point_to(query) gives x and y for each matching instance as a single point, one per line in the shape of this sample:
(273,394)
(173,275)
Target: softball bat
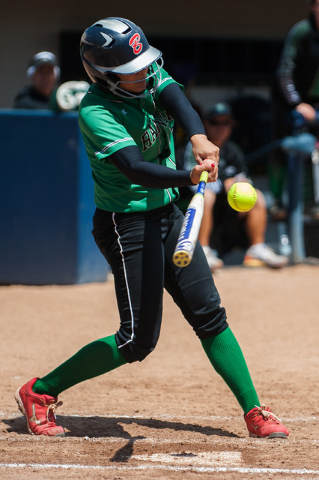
(187,239)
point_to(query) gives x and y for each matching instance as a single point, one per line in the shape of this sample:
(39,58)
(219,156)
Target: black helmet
(113,46)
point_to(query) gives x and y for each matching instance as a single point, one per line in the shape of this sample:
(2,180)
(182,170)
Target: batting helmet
(114,46)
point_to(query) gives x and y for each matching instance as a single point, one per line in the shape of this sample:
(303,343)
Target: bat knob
(181,258)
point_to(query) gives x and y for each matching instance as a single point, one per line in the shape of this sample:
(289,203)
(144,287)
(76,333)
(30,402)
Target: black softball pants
(139,248)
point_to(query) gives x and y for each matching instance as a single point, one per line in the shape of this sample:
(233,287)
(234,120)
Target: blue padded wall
(46,201)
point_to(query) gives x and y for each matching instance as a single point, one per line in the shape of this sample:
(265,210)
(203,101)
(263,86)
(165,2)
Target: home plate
(201,458)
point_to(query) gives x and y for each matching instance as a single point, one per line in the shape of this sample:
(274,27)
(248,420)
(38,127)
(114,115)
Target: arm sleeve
(150,175)
(287,65)
(175,102)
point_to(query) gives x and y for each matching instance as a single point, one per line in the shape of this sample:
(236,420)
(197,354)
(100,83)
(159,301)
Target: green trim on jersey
(109,123)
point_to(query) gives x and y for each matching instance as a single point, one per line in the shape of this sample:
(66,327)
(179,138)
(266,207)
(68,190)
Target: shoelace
(51,411)
(265,413)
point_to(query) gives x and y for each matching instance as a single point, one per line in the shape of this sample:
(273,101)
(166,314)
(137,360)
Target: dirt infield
(170,417)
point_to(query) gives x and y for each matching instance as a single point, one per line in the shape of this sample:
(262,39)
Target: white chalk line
(168,417)
(246,470)
(208,459)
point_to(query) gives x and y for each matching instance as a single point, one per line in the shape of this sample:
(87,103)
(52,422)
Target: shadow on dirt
(101,427)
(114,427)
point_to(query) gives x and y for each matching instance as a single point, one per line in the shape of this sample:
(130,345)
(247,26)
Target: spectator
(43,72)
(218,122)
(295,94)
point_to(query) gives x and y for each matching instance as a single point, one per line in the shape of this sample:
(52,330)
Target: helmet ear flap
(112,77)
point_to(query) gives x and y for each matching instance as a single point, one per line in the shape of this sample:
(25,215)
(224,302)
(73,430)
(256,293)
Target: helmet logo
(135,43)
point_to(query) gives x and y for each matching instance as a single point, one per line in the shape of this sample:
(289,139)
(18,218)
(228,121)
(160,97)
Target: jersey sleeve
(103,133)
(166,79)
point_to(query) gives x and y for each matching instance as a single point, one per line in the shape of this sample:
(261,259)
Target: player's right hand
(207,165)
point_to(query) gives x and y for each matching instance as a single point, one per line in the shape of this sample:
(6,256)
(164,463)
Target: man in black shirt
(218,122)
(43,72)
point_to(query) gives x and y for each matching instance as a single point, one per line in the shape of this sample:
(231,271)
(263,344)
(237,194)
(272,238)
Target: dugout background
(27,28)
(224,49)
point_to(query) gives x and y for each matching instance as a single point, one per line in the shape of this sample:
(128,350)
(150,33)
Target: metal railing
(300,146)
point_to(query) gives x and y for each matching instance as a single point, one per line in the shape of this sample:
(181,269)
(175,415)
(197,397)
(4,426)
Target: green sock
(227,358)
(92,360)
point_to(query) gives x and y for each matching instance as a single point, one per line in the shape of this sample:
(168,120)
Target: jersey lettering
(135,43)
(160,118)
(149,137)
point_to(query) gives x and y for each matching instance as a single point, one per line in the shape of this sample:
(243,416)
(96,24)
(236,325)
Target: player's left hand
(204,149)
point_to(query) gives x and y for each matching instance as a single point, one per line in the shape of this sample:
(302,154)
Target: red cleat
(261,422)
(39,411)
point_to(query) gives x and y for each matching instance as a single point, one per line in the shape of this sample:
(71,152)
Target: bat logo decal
(186,245)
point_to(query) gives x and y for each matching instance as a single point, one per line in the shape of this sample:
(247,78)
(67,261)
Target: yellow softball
(242,196)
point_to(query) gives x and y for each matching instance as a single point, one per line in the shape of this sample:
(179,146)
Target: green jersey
(108,123)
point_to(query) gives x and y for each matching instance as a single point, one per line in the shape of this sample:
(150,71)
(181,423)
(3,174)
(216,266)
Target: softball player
(126,120)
